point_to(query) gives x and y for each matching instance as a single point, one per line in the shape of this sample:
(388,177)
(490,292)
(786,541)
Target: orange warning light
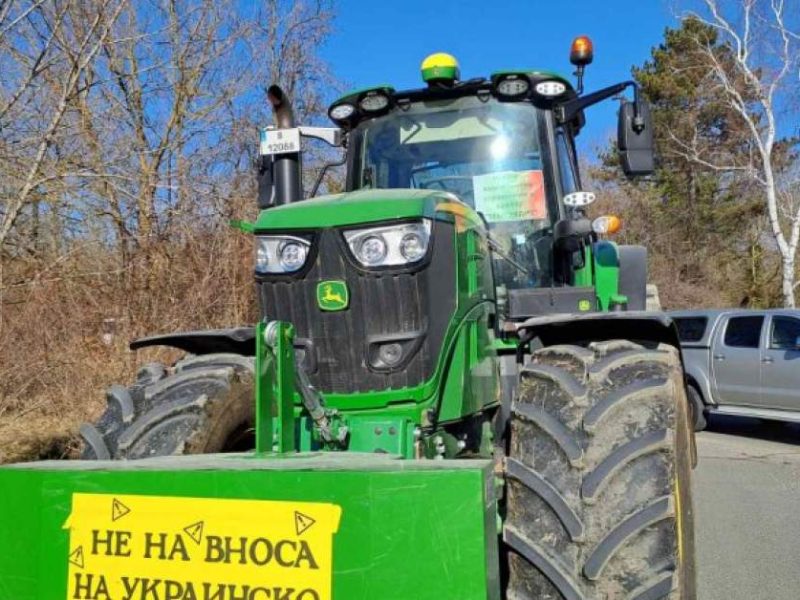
(581,52)
(607,225)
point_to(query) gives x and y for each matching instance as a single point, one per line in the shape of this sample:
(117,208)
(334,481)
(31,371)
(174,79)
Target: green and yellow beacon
(440,69)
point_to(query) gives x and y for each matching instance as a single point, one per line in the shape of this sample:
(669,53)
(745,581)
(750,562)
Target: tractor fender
(647,328)
(236,340)
(633,275)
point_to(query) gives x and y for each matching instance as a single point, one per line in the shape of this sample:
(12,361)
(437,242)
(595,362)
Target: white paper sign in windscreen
(510,196)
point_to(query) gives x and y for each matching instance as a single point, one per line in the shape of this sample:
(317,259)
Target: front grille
(382,303)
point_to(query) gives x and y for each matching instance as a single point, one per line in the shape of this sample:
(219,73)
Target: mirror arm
(567,111)
(322,172)
(333,136)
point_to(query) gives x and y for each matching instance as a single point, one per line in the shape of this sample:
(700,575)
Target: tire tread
(173,410)
(597,437)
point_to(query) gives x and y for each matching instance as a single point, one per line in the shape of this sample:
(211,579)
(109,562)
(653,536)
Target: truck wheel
(203,404)
(697,408)
(599,501)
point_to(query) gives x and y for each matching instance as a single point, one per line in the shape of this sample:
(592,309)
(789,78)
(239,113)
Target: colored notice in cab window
(125,547)
(510,196)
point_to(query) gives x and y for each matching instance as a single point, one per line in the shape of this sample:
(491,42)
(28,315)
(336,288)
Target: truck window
(743,332)
(785,333)
(691,329)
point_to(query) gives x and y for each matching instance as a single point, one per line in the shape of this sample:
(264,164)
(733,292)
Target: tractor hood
(366,206)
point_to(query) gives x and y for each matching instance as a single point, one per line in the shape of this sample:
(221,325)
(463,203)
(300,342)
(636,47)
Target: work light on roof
(550,89)
(341,112)
(374,101)
(512,85)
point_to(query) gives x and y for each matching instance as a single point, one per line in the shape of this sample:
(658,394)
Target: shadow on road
(774,431)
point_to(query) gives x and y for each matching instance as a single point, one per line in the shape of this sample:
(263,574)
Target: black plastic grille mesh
(381,303)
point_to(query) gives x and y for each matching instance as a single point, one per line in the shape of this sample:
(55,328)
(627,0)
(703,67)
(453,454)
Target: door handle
(719,357)
(767,360)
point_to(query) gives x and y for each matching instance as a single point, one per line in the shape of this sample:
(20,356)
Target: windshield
(485,152)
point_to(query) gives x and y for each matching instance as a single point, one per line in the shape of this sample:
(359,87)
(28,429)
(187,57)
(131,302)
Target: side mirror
(635,139)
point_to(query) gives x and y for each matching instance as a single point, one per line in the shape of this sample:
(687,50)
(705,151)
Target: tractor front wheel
(598,501)
(203,404)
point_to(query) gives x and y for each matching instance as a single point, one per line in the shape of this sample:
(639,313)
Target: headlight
(292,255)
(413,246)
(372,249)
(280,254)
(391,245)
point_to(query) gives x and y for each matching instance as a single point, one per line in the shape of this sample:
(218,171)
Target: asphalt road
(747,511)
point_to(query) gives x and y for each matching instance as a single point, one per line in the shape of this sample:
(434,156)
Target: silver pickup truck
(742,362)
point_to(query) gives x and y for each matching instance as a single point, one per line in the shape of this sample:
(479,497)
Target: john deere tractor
(453,372)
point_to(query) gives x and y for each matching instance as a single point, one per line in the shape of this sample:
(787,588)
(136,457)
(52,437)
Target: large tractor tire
(202,404)
(698,408)
(599,501)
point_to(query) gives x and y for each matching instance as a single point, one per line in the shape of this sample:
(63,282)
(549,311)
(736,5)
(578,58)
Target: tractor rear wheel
(202,404)
(598,501)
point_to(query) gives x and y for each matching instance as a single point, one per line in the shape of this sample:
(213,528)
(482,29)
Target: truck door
(736,360)
(780,364)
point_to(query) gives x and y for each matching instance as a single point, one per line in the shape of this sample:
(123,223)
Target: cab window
(743,332)
(785,333)
(566,166)
(691,329)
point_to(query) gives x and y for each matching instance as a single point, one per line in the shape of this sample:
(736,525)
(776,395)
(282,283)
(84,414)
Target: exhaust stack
(279,180)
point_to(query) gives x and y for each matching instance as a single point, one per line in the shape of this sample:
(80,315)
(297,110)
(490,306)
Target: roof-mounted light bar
(372,102)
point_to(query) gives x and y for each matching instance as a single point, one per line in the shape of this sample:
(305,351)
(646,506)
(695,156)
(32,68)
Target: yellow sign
(166,548)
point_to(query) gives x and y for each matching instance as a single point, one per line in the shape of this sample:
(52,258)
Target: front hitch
(278,378)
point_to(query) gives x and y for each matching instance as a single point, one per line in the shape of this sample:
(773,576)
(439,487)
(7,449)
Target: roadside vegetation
(126,146)
(721,216)
(127,141)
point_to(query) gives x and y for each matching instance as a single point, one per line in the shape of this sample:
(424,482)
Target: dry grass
(54,361)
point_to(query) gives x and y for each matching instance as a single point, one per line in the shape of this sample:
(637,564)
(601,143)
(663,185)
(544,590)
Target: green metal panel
(584,277)
(363,206)
(408,529)
(466,378)
(606,269)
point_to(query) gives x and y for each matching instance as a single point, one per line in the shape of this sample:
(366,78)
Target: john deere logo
(332,295)
(584,306)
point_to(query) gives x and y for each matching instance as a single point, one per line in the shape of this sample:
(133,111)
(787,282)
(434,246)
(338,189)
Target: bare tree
(45,54)
(757,82)
(77,49)
(127,134)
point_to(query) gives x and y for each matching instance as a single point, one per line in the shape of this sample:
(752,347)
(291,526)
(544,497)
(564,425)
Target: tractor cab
(487,153)
(504,146)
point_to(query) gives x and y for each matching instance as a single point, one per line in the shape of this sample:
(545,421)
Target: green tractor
(450,354)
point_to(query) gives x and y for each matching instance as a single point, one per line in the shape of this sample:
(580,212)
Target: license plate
(280,141)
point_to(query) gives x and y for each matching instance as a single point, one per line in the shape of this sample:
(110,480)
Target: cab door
(780,365)
(736,360)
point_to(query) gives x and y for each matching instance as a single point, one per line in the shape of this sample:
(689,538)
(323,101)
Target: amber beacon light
(581,52)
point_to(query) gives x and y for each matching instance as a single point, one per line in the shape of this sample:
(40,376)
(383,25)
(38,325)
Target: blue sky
(384,41)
